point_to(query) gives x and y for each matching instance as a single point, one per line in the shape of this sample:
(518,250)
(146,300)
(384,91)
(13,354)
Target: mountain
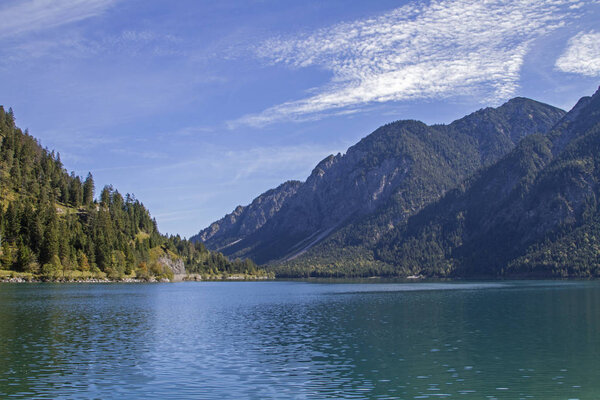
(246,220)
(51,226)
(533,213)
(349,201)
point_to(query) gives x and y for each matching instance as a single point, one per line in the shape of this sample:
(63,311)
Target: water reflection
(299,340)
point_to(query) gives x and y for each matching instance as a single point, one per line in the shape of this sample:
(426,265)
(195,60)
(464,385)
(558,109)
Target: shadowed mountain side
(534,213)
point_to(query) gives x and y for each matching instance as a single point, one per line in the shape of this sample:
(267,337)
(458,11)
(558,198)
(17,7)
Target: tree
(13,222)
(75,191)
(50,245)
(51,269)
(82,261)
(6,260)
(24,257)
(88,189)
(106,195)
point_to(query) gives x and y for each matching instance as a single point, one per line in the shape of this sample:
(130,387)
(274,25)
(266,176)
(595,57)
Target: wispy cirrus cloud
(582,55)
(20,17)
(439,49)
(76,45)
(231,166)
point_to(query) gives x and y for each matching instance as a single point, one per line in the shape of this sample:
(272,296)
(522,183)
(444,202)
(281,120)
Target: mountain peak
(324,165)
(519,100)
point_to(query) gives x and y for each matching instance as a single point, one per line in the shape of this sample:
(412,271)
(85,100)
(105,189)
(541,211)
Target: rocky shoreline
(91,280)
(177,278)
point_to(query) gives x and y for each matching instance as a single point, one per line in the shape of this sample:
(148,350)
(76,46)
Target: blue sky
(199,106)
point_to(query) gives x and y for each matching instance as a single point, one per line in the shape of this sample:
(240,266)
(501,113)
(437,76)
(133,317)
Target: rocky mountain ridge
(384,179)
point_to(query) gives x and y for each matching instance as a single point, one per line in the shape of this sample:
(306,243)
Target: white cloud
(582,55)
(440,49)
(35,15)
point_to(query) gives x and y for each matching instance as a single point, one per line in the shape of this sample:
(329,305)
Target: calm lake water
(298,340)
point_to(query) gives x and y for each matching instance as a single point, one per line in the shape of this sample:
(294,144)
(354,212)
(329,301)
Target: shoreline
(238,278)
(16,277)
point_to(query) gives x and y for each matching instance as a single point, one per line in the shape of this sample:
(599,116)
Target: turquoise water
(298,340)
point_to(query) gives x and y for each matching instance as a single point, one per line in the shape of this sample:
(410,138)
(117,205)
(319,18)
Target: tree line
(52,224)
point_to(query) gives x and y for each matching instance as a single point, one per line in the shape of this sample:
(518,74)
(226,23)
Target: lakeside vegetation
(53,228)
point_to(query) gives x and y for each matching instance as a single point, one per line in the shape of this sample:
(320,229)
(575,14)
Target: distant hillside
(52,226)
(350,201)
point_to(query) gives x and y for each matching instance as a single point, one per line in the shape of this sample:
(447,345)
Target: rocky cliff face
(388,176)
(175,265)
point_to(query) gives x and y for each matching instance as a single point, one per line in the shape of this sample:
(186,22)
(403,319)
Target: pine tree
(106,195)
(24,257)
(50,245)
(88,190)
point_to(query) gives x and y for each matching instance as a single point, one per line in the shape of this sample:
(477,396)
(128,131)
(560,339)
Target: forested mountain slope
(534,213)
(51,225)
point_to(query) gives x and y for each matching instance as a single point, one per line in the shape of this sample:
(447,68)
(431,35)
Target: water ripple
(297,340)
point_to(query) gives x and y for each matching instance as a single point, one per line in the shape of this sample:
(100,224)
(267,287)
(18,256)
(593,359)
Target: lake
(301,340)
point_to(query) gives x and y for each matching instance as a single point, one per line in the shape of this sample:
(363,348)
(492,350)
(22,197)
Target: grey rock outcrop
(174,265)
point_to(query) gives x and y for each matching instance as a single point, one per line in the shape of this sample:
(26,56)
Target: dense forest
(53,226)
